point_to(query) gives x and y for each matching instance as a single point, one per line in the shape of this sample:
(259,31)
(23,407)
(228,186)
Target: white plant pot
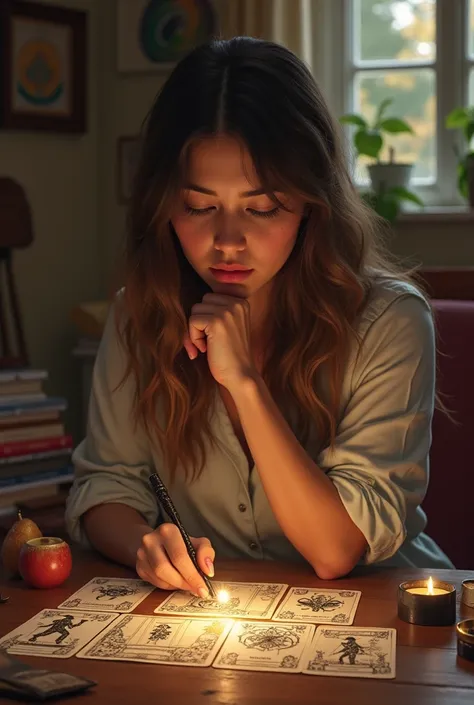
(387,175)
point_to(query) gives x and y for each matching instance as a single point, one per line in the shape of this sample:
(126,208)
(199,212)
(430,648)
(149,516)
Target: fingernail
(210,567)
(203,592)
(192,355)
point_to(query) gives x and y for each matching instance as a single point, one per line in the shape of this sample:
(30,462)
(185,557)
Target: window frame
(335,70)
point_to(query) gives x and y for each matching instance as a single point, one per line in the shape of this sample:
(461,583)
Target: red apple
(45,562)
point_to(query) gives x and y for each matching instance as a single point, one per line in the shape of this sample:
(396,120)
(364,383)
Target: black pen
(165,500)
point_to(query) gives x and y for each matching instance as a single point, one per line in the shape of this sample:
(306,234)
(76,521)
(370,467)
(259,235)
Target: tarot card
(109,595)
(264,646)
(170,640)
(56,633)
(318,606)
(358,652)
(248,600)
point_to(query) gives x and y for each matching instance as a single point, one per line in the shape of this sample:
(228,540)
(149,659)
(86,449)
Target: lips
(230,276)
(232,268)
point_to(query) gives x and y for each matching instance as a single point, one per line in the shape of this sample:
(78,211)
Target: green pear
(22,531)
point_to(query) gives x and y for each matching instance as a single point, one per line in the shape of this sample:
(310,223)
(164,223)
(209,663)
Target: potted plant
(463,119)
(389,180)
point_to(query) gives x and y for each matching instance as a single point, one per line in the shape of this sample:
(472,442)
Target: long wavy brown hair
(261,93)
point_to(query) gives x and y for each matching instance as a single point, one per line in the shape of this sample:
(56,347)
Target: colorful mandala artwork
(169,29)
(40,79)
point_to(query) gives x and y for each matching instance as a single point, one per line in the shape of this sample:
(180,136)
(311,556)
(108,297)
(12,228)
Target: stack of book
(35,450)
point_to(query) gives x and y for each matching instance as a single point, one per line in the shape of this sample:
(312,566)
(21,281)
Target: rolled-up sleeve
(379,464)
(112,463)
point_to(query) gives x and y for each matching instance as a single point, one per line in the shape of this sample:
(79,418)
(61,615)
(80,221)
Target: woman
(287,407)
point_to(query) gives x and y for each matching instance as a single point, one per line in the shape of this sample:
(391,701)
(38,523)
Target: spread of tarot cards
(249,626)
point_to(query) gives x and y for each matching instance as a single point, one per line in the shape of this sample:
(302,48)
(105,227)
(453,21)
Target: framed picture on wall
(152,35)
(43,67)
(128,152)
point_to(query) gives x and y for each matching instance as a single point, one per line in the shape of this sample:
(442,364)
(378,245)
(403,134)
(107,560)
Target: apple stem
(19,515)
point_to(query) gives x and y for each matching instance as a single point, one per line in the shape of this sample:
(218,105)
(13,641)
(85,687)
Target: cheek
(189,235)
(281,240)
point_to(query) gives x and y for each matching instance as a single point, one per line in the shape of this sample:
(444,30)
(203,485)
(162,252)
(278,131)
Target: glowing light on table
(223,596)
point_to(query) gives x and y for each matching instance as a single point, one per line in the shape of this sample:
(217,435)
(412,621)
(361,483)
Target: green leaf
(403,194)
(353,119)
(387,207)
(382,109)
(368,143)
(395,125)
(463,185)
(457,118)
(469,130)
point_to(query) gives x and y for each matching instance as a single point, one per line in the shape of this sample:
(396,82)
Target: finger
(156,562)
(153,580)
(198,329)
(175,548)
(205,555)
(190,348)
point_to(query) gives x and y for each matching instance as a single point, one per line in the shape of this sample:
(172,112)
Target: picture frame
(43,68)
(128,152)
(185,24)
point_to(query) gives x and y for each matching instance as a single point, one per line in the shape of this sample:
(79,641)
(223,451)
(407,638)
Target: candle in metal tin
(467,593)
(427,603)
(465,636)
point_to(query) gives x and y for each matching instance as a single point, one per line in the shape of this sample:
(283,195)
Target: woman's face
(222,217)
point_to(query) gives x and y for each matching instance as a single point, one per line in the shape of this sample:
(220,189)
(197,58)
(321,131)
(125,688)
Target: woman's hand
(163,560)
(221,325)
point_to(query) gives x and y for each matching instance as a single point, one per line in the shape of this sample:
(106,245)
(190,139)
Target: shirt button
(253,546)
(242,507)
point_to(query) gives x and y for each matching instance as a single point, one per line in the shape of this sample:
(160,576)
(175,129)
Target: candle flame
(223,596)
(430,586)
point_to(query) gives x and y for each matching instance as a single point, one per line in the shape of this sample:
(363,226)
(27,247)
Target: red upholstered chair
(450,497)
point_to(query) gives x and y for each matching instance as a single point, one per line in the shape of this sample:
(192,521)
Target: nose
(230,235)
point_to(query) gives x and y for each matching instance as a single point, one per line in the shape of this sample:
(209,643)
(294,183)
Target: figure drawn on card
(160,633)
(349,648)
(111,592)
(319,603)
(58,626)
(272,638)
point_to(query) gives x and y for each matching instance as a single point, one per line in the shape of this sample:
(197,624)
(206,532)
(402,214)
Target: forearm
(116,531)
(304,500)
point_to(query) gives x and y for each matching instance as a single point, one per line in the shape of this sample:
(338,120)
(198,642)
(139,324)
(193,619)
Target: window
(470,53)
(419,53)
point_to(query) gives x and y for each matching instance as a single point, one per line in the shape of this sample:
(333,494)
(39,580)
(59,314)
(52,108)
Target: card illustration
(263,646)
(109,594)
(354,652)
(318,606)
(56,633)
(249,600)
(190,642)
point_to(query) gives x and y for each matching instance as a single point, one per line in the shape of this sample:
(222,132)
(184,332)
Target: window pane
(471,28)
(471,88)
(389,29)
(414,100)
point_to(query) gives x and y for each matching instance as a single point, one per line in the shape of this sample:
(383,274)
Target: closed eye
(258,214)
(198,211)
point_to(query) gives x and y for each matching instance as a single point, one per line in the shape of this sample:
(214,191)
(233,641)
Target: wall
(436,240)
(63,266)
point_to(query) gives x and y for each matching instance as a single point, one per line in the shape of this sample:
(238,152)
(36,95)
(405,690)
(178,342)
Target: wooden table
(428,669)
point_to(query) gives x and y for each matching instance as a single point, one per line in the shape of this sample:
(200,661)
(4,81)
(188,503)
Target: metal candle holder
(465,635)
(427,610)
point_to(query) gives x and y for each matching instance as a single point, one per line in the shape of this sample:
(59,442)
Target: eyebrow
(245,194)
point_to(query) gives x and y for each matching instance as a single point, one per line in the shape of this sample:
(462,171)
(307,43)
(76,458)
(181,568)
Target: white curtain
(287,22)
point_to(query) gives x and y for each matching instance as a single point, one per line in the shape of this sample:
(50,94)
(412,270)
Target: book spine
(39,455)
(12,482)
(38,445)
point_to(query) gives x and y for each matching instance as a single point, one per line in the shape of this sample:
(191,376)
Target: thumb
(205,555)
